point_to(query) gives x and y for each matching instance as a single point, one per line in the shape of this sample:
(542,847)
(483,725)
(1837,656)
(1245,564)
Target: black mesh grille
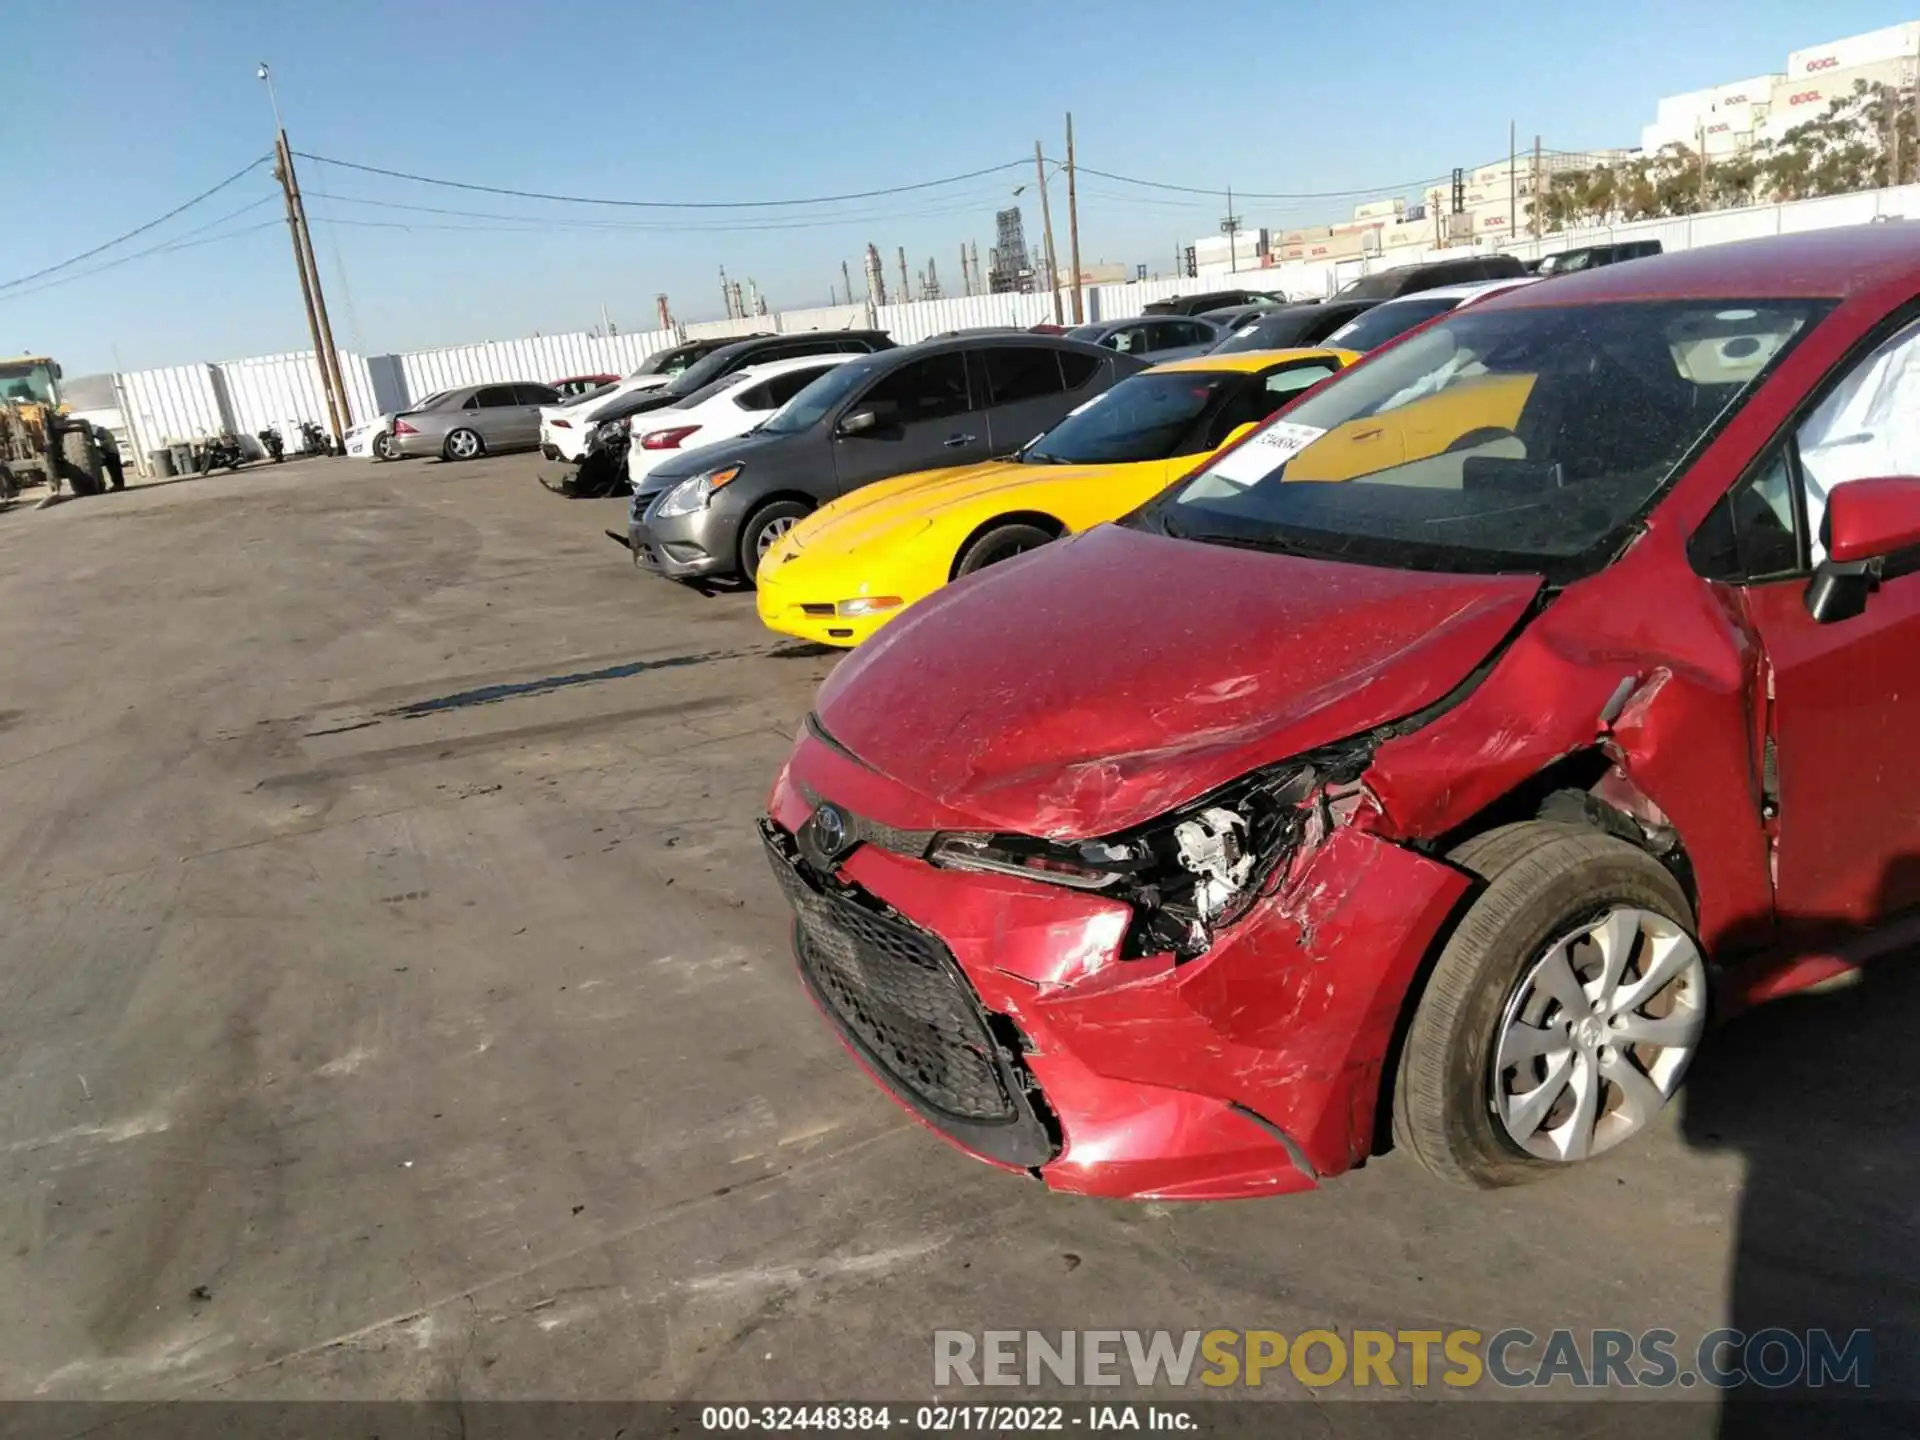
(898,992)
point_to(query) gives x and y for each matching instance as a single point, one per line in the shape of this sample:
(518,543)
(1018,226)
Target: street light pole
(1073,228)
(1046,223)
(319,324)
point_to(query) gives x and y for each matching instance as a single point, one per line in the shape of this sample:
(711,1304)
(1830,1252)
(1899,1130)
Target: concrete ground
(394,1003)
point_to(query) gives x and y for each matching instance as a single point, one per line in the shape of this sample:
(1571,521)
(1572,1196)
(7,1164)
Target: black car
(1210,300)
(733,355)
(936,404)
(1588,257)
(1292,325)
(1231,317)
(676,358)
(1412,279)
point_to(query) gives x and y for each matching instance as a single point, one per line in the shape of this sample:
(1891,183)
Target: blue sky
(746,100)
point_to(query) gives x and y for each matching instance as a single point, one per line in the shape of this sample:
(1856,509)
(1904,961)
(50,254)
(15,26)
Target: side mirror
(859,422)
(1867,521)
(1238,433)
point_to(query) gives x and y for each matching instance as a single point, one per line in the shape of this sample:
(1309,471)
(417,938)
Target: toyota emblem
(830,830)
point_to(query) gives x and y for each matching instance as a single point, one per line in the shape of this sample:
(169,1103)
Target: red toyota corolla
(1430,764)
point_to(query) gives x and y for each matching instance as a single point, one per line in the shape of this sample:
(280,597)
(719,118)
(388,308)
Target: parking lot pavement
(393,1002)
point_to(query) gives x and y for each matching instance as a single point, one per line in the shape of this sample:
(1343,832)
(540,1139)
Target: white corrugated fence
(184,402)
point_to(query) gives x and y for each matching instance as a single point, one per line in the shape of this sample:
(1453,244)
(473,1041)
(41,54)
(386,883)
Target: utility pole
(966,276)
(1230,227)
(1537,178)
(906,285)
(318,324)
(1073,228)
(726,295)
(1700,199)
(846,281)
(1046,225)
(1513,179)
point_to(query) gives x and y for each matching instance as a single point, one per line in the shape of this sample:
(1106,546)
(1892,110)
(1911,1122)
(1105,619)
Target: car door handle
(954,442)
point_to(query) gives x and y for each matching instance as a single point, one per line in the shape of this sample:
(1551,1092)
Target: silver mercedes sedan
(474,420)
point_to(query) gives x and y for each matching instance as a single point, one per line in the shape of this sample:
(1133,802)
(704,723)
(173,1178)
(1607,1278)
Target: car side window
(1754,532)
(495,397)
(1260,397)
(1868,425)
(545,394)
(1026,372)
(1133,340)
(1077,369)
(924,389)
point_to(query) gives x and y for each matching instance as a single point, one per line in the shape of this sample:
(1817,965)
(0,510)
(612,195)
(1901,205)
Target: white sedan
(371,438)
(729,407)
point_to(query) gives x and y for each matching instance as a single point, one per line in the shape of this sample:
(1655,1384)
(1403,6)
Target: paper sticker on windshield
(1265,452)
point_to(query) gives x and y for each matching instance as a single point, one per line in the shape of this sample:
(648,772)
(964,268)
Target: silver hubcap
(1598,1034)
(770,532)
(382,445)
(464,444)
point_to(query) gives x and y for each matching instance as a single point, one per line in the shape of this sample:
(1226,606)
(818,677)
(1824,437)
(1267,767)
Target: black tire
(448,446)
(382,446)
(763,527)
(1541,880)
(1003,542)
(80,463)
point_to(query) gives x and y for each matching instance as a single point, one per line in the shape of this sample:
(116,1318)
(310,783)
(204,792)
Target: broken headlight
(1186,875)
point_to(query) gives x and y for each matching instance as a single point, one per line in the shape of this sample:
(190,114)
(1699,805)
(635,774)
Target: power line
(1266,194)
(165,247)
(662,204)
(945,205)
(141,229)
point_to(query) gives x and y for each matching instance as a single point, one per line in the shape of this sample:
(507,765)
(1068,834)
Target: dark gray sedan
(1152,337)
(475,420)
(921,407)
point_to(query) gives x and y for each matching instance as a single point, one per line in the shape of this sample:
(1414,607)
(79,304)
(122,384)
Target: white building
(1728,119)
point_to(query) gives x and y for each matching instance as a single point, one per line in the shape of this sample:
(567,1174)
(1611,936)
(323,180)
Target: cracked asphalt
(394,1004)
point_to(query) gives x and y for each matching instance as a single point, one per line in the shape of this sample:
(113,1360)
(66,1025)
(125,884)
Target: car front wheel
(1562,1014)
(463,445)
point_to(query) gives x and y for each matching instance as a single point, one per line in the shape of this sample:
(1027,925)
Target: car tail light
(561,424)
(666,439)
(400,427)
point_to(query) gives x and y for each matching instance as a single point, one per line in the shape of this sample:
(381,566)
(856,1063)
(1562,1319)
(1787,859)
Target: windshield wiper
(1272,544)
(1040,457)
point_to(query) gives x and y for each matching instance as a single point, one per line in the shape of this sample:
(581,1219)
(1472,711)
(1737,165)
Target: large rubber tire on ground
(1543,881)
(80,463)
(1003,542)
(463,444)
(382,446)
(765,526)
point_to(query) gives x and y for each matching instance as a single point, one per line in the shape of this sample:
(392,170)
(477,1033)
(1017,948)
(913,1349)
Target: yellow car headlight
(867,605)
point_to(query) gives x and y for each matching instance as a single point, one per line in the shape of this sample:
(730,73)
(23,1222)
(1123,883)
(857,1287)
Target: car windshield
(1142,418)
(1373,328)
(818,400)
(1269,332)
(1092,334)
(1501,439)
(703,371)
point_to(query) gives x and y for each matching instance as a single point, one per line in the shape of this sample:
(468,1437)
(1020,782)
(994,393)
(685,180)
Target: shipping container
(1293,252)
(1795,101)
(1746,92)
(1379,209)
(1683,110)
(1335,247)
(1896,42)
(1407,232)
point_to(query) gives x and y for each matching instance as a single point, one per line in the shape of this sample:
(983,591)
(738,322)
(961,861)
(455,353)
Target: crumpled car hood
(1098,683)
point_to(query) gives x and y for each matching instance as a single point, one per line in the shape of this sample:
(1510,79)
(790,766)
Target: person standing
(110,457)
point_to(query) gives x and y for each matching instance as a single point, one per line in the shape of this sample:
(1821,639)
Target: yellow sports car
(851,566)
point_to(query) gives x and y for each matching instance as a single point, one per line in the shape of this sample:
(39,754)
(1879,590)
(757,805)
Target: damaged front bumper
(1000,1010)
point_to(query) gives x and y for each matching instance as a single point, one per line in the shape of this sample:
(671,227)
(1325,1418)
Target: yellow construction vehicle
(40,443)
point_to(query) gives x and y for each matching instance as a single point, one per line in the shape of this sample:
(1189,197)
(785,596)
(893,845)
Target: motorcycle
(603,464)
(314,440)
(271,442)
(221,451)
